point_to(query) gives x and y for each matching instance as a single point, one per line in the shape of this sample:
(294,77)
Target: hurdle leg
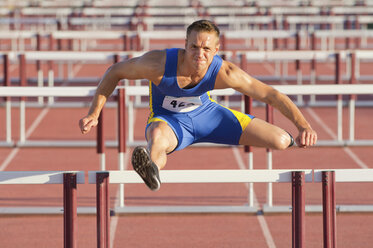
(100,145)
(298,210)
(329,209)
(70,209)
(103,211)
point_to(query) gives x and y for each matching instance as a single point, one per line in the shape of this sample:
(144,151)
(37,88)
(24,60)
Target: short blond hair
(203,26)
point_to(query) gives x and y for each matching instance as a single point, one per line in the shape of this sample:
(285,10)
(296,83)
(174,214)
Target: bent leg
(263,134)
(161,141)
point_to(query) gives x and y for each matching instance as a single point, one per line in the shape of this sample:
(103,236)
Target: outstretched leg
(148,161)
(263,134)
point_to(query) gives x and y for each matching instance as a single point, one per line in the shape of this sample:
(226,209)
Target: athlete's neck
(187,69)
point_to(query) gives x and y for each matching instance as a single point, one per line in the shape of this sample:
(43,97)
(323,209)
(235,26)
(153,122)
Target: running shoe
(146,168)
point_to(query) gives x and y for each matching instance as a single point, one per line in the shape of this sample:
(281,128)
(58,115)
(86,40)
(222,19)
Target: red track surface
(203,230)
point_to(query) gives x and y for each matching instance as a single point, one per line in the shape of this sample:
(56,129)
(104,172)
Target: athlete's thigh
(263,134)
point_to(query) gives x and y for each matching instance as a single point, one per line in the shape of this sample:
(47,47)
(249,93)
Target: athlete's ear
(217,48)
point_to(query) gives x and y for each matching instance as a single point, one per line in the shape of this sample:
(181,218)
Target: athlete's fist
(86,123)
(307,137)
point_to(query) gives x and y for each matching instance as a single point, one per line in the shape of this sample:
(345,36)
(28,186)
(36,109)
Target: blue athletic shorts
(210,122)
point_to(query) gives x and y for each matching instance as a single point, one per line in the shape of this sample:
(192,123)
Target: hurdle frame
(69,179)
(328,180)
(297,178)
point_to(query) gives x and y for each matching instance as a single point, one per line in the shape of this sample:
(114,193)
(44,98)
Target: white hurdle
(198,176)
(69,179)
(102,179)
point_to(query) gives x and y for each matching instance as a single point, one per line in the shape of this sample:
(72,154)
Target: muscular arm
(230,76)
(148,66)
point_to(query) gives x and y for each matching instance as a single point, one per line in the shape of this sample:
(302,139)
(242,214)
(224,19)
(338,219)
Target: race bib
(181,104)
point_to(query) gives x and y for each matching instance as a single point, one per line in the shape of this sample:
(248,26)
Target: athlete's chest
(188,82)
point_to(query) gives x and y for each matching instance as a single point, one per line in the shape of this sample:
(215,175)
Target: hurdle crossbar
(205,176)
(69,179)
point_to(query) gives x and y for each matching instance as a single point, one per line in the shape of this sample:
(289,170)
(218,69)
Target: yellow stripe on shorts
(243,119)
(154,119)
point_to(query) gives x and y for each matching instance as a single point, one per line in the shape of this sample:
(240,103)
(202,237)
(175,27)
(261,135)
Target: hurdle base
(278,209)
(7,144)
(184,209)
(43,210)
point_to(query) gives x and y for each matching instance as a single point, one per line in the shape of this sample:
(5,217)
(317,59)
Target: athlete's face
(201,47)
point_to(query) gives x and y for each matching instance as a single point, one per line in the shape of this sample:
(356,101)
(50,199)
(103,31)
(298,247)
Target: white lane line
(9,158)
(31,129)
(114,220)
(322,123)
(348,151)
(76,69)
(262,222)
(355,158)
(36,122)
(269,68)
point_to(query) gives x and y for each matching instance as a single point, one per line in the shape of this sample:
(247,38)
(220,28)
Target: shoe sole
(146,169)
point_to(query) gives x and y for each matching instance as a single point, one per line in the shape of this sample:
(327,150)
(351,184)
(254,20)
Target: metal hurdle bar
(69,179)
(297,178)
(329,178)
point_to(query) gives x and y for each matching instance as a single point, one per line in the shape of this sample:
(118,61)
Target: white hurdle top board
(206,176)
(37,177)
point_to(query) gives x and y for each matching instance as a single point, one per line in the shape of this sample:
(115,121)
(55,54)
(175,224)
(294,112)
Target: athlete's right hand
(86,123)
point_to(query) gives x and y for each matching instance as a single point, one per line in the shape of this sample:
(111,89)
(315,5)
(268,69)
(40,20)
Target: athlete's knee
(156,133)
(283,141)
(160,135)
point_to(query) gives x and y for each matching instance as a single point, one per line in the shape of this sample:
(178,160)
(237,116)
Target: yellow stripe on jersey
(150,102)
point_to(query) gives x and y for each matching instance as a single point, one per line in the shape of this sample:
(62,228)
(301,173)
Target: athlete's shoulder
(230,76)
(157,57)
(228,69)
(153,63)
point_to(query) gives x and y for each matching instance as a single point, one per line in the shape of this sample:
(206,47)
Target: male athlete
(181,109)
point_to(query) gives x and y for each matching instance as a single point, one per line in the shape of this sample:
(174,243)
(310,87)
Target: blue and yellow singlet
(191,113)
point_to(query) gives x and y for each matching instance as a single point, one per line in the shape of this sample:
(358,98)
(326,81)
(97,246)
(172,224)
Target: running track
(178,230)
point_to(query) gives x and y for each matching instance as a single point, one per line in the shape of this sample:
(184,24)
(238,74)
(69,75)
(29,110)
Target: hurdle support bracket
(70,214)
(298,209)
(127,210)
(329,209)
(103,212)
